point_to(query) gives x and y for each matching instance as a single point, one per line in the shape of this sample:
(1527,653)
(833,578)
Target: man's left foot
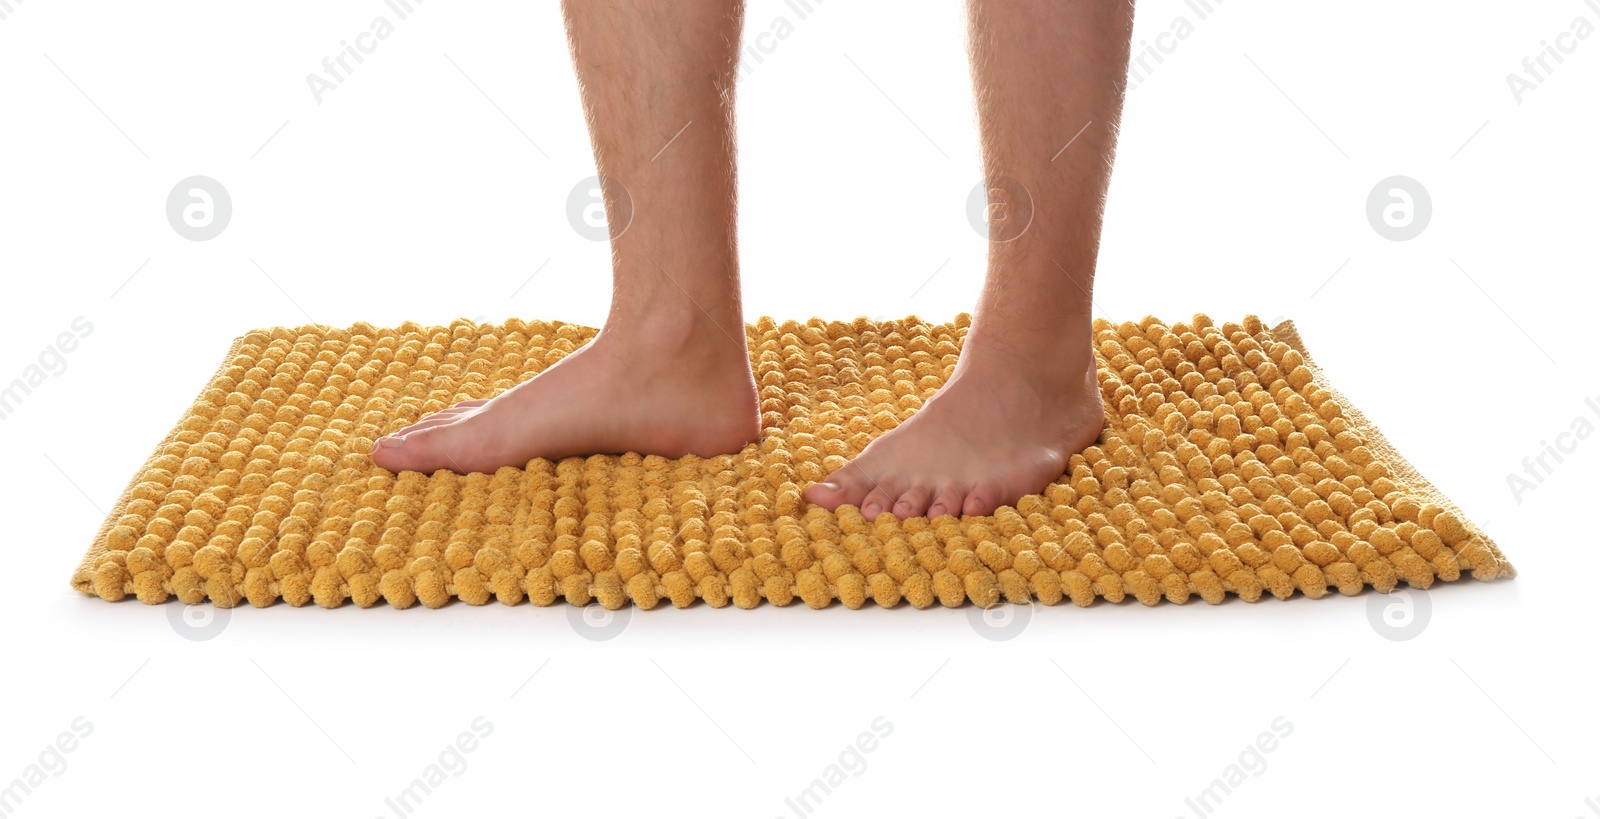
(1003,427)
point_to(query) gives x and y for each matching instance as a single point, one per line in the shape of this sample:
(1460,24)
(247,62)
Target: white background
(408,193)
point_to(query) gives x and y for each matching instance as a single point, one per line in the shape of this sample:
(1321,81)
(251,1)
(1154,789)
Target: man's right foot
(655,387)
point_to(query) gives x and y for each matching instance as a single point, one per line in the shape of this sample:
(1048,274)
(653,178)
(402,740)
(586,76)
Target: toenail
(392,441)
(935,511)
(872,509)
(830,485)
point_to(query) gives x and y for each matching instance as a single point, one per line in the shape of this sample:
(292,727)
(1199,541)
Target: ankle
(1063,352)
(677,331)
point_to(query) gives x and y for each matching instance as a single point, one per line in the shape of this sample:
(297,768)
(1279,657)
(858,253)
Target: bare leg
(669,373)
(1024,397)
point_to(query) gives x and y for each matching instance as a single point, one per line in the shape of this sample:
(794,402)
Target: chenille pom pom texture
(1227,466)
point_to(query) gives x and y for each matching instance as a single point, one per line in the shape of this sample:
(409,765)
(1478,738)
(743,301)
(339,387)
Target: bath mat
(1228,466)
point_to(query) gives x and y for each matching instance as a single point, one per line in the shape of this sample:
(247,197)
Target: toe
(982,500)
(913,503)
(444,416)
(847,486)
(876,503)
(437,419)
(948,502)
(420,451)
(386,451)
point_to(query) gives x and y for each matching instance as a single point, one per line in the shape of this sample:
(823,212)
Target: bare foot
(1001,428)
(681,389)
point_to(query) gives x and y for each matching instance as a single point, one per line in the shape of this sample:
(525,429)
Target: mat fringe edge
(83,577)
(1286,332)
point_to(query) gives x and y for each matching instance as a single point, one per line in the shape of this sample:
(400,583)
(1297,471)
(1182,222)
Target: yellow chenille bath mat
(1228,464)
